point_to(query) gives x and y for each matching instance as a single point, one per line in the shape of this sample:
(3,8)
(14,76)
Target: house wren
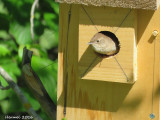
(105,43)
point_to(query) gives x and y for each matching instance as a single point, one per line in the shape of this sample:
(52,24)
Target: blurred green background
(14,35)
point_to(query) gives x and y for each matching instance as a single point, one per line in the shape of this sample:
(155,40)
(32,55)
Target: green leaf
(2,8)
(49,16)
(43,115)
(54,5)
(20,53)
(4,35)
(4,106)
(21,33)
(11,46)
(48,39)
(3,81)
(47,71)
(11,68)
(49,20)
(4,50)
(4,93)
(34,103)
(13,104)
(64,118)
(6,40)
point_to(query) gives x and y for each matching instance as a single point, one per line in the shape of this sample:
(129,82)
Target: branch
(4,88)
(35,85)
(13,38)
(19,93)
(32,17)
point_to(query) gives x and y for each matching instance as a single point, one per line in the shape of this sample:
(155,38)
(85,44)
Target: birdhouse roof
(139,4)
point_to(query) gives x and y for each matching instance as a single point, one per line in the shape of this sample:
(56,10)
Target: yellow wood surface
(101,100)
(108,19)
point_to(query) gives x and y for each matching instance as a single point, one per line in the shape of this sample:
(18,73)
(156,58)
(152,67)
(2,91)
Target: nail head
(155,33)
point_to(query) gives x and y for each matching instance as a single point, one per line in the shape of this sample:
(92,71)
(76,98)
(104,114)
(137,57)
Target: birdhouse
(123,85)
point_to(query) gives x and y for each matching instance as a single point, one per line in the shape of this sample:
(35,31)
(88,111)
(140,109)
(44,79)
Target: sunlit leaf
(20,52)
(48,39)
(11,68)
(2,8)
(4,35)
(4,50)
(49,18)
(21,33)
(4,93)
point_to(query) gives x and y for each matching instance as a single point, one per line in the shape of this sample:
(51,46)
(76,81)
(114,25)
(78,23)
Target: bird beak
(89,43)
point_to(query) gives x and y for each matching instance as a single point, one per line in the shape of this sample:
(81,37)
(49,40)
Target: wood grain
(101,100)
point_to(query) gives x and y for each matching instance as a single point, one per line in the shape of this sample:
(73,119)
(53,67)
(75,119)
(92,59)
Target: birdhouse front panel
(81,95)
(121,67)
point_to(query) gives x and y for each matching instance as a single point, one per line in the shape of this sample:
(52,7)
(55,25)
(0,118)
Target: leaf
(20,53)
(4,93)
(54,5)
(4,106)
(34,103)
(21,33)
(4,50)
(2,8)
(48,39)
(7,64)
(10,67)
(47,71)
(13,104)
(3,81)
(4,35)
(18,10)
(49,18)
(43,115)
(11,46)
(6,40)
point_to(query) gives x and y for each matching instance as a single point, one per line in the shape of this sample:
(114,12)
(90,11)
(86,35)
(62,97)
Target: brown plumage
(105,43)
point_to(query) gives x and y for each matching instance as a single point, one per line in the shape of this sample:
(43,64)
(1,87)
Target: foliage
(14,35)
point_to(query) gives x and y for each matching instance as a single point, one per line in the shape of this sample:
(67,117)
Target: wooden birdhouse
(121,86)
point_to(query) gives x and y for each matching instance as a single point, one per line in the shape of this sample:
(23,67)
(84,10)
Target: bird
(105,43)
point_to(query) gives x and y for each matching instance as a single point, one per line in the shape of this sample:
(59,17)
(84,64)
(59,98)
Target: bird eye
(97,40)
